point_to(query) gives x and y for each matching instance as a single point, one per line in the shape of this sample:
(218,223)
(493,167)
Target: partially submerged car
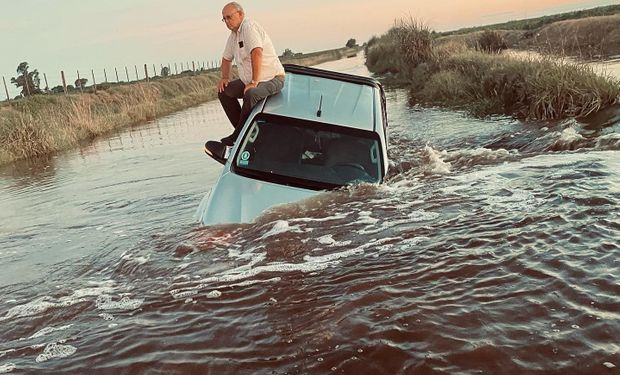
(324,130)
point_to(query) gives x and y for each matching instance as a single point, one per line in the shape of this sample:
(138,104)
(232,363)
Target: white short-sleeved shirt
(240,45)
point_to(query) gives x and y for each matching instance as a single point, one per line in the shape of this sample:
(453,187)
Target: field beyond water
(43,124)
(469,72)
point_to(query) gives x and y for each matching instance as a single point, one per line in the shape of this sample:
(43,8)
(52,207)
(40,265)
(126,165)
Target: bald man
(260,72)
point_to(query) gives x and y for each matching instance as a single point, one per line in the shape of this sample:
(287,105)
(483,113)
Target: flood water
(493,247)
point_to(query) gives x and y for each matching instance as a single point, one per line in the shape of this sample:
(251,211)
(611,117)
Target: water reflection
(37,170)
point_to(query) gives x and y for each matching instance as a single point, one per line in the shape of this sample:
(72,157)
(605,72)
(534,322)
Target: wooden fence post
(116,71)
(176,71)
(127,73)
(47,86)
(146,73)
(193,66)
(105,76)
(154,71)
(78,73)
(64,83)
(136,68)
(8,99)
(94,83)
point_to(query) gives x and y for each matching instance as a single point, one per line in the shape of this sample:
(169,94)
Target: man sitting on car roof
(260,72)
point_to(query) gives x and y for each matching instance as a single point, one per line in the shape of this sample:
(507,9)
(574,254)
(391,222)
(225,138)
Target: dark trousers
(238,114)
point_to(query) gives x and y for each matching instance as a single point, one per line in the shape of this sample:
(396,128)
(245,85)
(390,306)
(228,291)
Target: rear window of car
(308,154)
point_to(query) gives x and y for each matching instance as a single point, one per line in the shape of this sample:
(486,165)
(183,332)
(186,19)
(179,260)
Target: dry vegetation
(43,124)
(465,71)
(586,38)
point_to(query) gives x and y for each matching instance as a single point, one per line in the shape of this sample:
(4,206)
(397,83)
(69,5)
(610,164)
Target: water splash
(54,350)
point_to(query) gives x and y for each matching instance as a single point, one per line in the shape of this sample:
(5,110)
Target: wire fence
(124,75)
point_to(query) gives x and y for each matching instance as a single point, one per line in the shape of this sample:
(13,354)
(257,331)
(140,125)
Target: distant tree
(28,81)
(288,53)
(351,43)
(165,71)
(80,83)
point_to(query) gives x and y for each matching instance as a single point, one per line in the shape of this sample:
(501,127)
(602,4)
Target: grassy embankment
(588,34)
(450,72)
(43,124)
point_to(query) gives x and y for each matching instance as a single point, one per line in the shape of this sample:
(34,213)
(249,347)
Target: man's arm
(257,62)
(226,65)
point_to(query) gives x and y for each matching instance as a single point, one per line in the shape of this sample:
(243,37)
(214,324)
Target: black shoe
(229,141)
(216,150)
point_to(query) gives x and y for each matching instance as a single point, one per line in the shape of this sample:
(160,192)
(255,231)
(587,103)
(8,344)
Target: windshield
(308,154)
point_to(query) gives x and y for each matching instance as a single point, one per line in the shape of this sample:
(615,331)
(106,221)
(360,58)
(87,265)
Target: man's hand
(222,85)
(250,85)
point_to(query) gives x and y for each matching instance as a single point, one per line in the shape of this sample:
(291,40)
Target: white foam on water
(106,316)
(251,254)
(329,240)
(54,350)
(30,309)
(214,294)
(432,161)
(326,240)
(365,217)
(608,142)
(48,330)
(517,200)
(105,302)
(5,352)
(92,292)
(568,139)
(253,282)
(7,367)
(337,216)
(481,155)
(280,226)
(178,294)
(421,215)
(136,259)
(609,365)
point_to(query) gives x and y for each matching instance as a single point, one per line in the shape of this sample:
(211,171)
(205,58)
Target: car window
(308,153)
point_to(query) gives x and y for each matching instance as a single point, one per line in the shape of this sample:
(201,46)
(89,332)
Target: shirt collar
(241,25)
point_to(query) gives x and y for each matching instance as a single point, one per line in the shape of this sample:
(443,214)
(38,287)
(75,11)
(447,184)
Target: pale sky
(71,35)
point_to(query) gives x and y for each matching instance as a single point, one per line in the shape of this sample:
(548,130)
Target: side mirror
(216,150)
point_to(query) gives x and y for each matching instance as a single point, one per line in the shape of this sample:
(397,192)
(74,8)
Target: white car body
(323,131)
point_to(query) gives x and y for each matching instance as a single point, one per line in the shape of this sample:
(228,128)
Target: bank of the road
(469,71)
(43,124)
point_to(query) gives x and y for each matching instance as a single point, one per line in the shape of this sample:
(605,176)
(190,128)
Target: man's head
(232,15)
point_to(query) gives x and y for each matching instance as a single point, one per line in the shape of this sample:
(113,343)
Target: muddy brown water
(493,247)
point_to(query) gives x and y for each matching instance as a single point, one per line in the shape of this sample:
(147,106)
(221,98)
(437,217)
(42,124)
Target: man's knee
(253,96)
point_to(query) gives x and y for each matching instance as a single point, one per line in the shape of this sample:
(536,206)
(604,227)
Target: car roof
(327,97)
